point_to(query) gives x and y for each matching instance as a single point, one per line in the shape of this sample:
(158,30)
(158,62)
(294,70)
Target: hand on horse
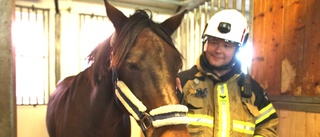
(179,90)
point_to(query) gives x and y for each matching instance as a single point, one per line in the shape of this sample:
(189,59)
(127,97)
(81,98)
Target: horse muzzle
(174,114)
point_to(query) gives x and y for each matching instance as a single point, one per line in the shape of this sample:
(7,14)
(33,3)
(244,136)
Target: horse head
(144,73)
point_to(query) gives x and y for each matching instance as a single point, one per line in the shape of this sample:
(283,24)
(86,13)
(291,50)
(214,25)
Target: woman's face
(219,52)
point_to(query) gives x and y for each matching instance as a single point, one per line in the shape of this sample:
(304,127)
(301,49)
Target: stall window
(94,29)
(30,39)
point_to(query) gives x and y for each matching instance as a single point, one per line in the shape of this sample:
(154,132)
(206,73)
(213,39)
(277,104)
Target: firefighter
(222,100)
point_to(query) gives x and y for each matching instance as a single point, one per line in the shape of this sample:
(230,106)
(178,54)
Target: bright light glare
(245,56)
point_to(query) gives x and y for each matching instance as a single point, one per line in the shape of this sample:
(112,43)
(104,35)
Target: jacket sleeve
(267,122)
(267,129)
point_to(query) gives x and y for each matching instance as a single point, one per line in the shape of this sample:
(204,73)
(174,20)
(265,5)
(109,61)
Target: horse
(132,74)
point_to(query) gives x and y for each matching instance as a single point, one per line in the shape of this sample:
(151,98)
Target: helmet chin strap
(224,67)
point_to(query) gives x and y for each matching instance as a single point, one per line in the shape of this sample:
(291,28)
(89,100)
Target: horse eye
(133,66)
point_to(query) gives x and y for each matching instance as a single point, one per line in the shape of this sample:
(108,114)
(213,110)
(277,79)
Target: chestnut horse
(133,73)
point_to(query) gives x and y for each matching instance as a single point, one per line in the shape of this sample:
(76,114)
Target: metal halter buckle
(145,121)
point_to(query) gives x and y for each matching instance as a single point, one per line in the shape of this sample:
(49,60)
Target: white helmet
(229,25)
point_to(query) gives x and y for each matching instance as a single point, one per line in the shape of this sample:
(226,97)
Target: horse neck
(104,105)
(103,95)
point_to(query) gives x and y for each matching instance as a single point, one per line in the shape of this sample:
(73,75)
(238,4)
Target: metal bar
(174,2)
(85,14)
(28,14)
(81,22)
(28,7)
(197,32)
(56,4)
(20,8)
(206,12)
(195,4)
(187,43)
(219,5)
(226,2)
(212,8)
(234,6)
(243,7)
(36,14)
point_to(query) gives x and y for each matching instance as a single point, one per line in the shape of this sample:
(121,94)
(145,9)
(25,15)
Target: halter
(158,117)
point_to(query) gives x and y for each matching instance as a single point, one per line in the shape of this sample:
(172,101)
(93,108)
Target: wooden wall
(286,62)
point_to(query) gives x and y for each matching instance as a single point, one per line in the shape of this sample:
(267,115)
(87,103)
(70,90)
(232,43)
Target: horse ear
(116,16)
(172,23)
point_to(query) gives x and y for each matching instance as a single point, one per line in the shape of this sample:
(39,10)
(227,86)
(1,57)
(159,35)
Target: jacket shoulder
(262,98)
(186,75)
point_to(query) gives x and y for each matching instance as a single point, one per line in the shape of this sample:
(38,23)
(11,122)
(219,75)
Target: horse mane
(125,38)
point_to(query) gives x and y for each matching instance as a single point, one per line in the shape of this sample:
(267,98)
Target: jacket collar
(205,71)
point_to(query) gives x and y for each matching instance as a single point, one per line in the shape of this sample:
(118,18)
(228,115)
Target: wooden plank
(267,33)
(300,120)
(57,36)
(312,125)
(272,46)
(284,123)
(258,34)
(291,70)
(311,61)
(290,123)
(298,124)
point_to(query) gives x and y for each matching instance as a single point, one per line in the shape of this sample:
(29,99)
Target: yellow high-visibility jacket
(217,109)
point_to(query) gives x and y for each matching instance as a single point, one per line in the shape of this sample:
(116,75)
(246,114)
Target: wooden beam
(296,99)
(8,114)
(57,34)
(297,103)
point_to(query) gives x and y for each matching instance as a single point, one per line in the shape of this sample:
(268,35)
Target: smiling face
(219,52)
